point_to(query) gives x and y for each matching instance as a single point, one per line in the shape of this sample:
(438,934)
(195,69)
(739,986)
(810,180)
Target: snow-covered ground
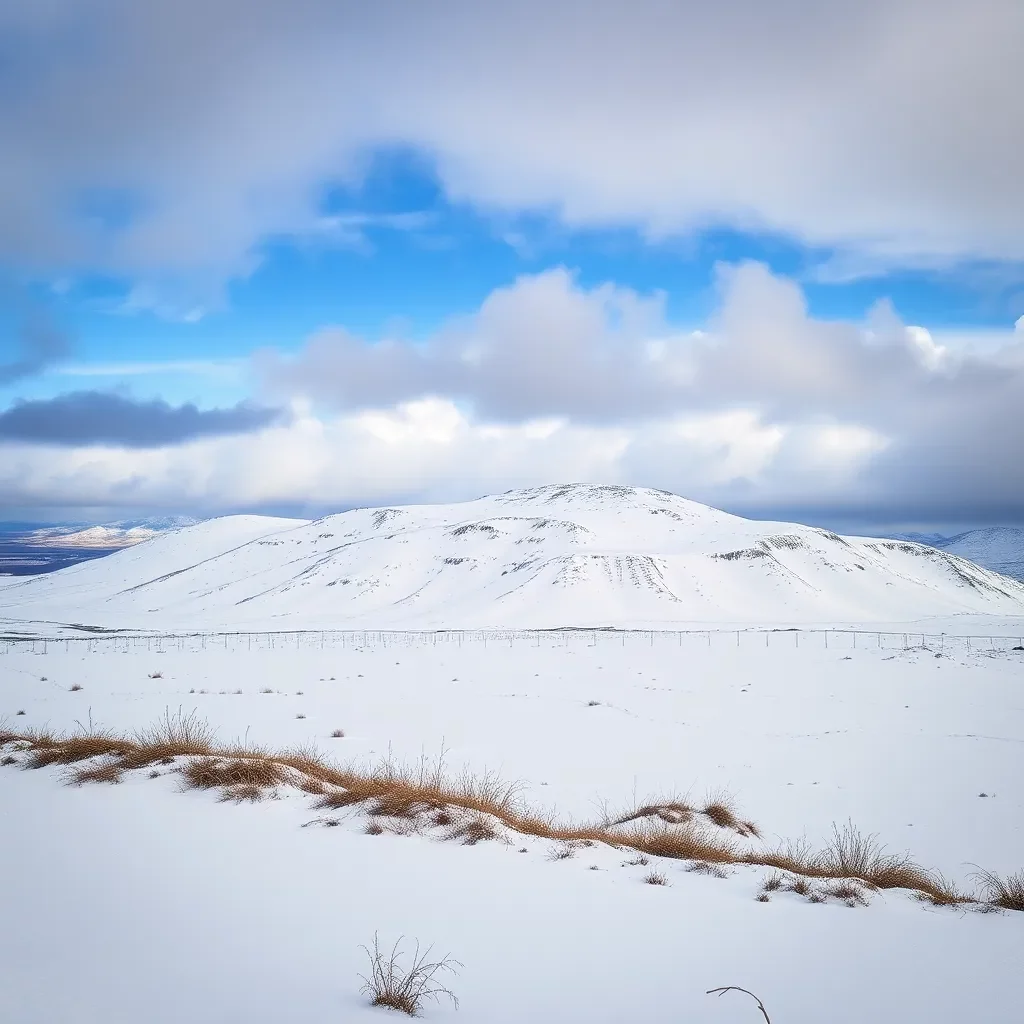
(139,901)
(573,555)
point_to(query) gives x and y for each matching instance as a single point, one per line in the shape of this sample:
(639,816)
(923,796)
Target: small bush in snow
(403,982)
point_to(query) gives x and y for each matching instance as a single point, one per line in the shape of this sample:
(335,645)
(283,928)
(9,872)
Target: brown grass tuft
(1006,893)
(684,843)
(228,773)
(655,878)
(111,772)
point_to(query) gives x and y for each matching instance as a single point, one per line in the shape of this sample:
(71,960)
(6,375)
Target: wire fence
(341,639)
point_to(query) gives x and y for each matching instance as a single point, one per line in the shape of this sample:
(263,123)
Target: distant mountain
(999,548)
(568,555)
(933,540)
(121,534)
(27,549)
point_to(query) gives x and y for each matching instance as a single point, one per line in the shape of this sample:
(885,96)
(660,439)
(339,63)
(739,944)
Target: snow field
(139,901)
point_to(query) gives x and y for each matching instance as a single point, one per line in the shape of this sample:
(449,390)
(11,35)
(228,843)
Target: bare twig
(735,988)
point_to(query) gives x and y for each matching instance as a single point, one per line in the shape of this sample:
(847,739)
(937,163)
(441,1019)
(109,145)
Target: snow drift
(567,555)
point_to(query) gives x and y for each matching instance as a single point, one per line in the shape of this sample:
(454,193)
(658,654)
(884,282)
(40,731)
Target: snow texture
(143,902)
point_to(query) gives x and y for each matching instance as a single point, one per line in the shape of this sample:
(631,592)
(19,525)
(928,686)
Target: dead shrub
(655,878)
(564,851)
(402,986)
(7,759)
(773,882)
(156,675)
(373,828)
(338,734)
(75,687)
(639,861)
(763,897)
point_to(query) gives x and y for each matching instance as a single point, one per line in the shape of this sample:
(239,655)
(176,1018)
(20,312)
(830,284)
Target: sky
(296,257)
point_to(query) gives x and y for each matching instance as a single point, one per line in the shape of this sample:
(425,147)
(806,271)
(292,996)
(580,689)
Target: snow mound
(546,557)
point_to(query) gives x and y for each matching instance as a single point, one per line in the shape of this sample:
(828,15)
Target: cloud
(82,418)
(765,411)
(887,132)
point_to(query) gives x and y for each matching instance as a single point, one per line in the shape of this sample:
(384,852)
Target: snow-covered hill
(575,554)
(1000,548)
(123,534)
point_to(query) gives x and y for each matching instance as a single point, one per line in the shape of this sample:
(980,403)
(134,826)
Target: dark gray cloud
(96,417)
(891,130)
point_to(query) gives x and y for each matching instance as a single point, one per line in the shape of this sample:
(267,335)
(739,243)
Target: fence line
(313,639)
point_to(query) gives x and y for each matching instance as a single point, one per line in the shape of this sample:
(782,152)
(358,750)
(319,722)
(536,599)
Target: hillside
(1000,548)
(545,557)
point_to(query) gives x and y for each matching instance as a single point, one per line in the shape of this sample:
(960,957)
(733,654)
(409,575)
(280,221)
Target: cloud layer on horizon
(767,410)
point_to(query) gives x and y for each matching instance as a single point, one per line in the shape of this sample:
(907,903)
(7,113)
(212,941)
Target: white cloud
(766,408)
(890,130)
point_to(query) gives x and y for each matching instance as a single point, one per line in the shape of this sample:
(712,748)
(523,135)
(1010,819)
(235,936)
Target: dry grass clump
(338,734)
(1006,893)
(854,854)
(473,830)
(655,878)
(248,792)
(702,867)
(564,851)
(674,811)
(229,773)
(686,842)
(402,986)
(472,808)
(110,771)
(75,687)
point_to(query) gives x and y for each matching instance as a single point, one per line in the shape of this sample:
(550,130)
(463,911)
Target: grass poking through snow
(471,808)
(404,982)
